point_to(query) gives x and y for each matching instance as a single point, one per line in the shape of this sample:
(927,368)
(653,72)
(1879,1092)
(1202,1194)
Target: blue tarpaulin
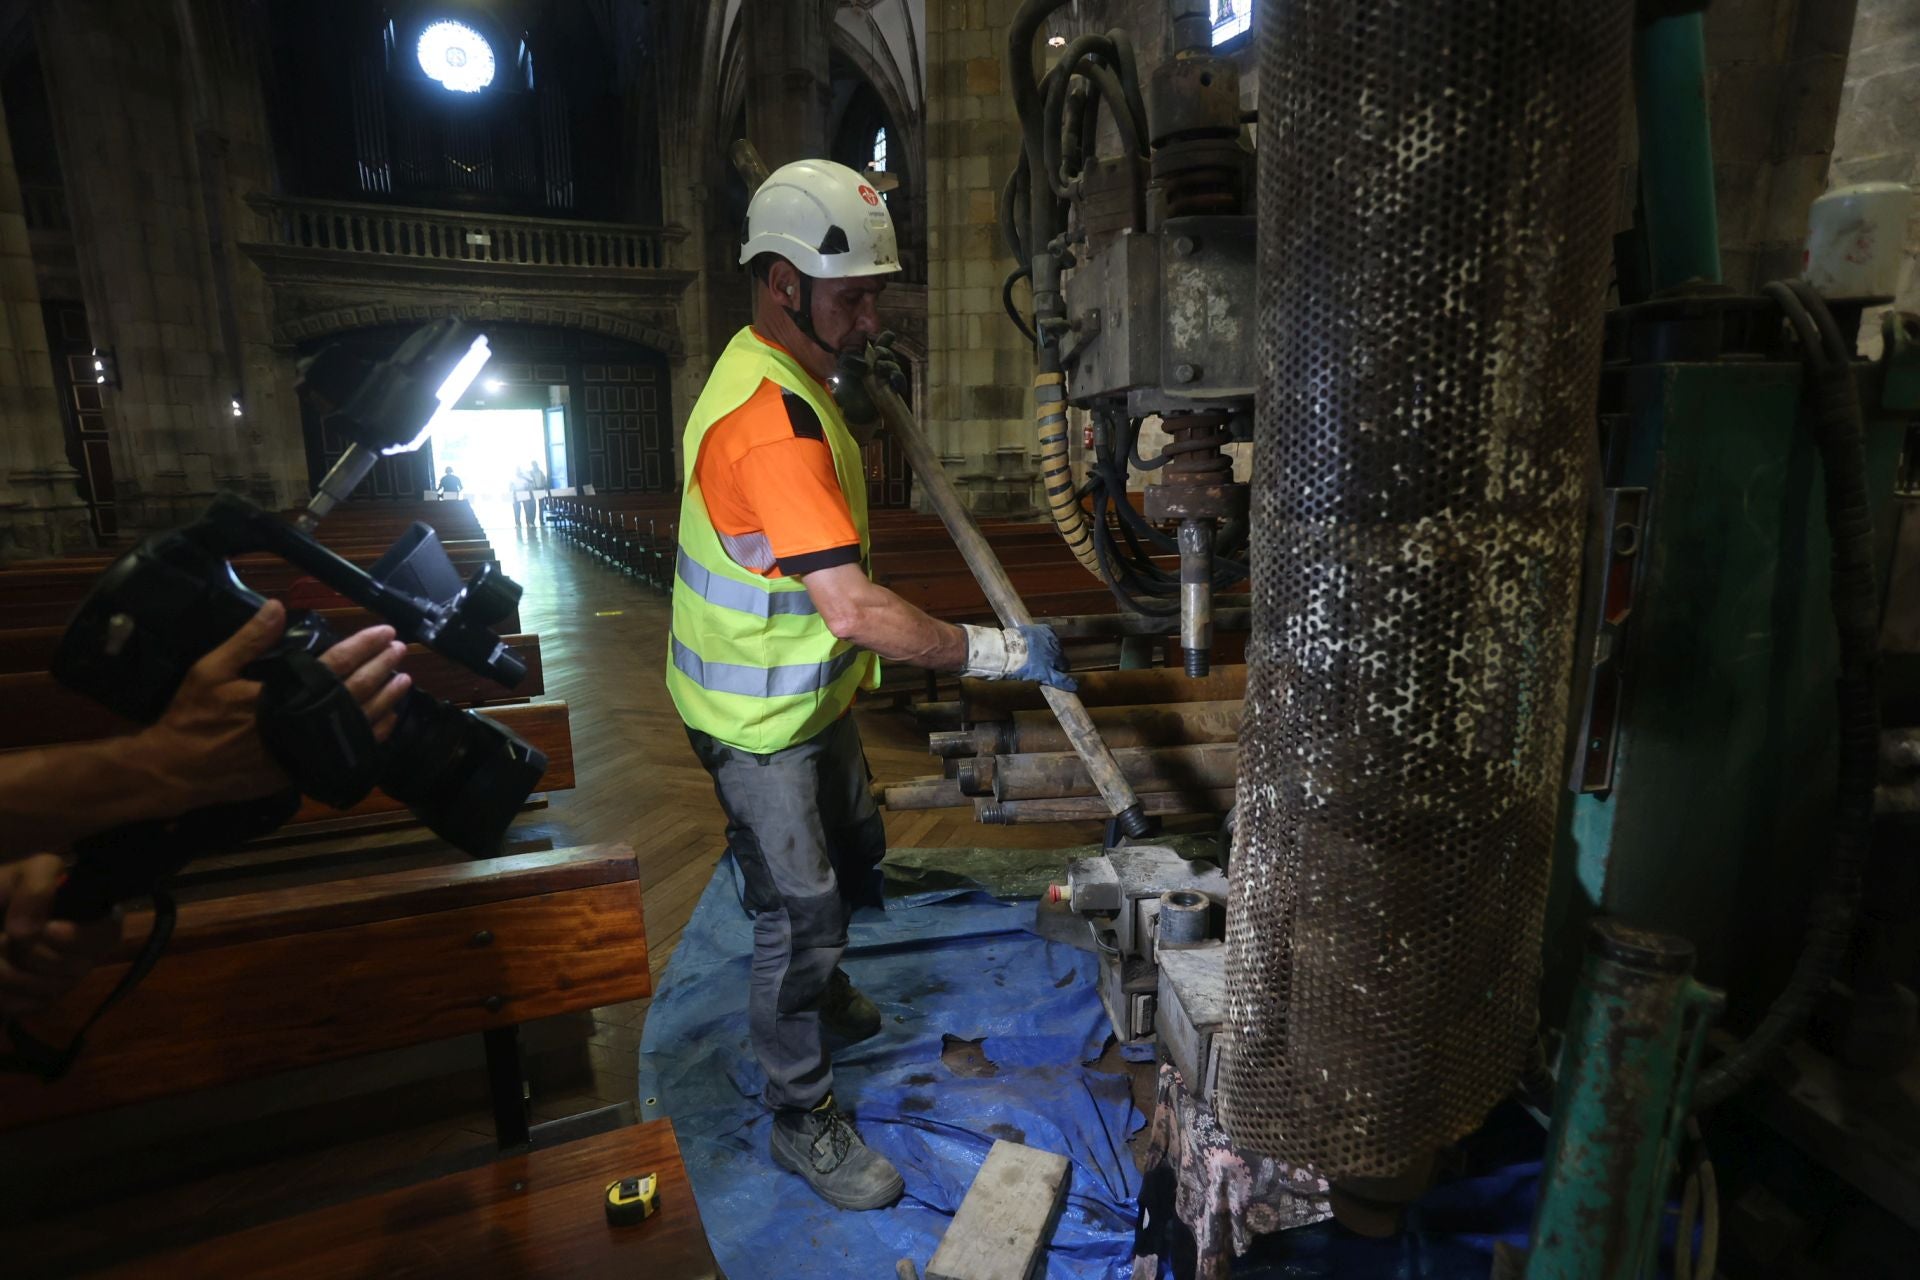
(943,967)
(957,966)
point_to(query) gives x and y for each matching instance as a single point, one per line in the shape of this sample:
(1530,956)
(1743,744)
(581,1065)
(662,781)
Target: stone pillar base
(41,514)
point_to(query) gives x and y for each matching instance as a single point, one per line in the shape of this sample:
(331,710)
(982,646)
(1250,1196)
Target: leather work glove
(1031,653)
(850,387)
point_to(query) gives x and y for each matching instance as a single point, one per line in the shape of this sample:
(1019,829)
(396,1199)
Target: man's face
(846,313)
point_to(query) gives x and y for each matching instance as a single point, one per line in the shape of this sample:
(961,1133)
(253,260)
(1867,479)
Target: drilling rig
(1567,568)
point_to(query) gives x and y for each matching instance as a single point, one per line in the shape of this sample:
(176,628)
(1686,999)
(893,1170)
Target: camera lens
(461,774)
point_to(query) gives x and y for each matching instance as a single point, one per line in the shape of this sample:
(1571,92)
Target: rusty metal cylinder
(922,793)
(1052,774)
(1434,210)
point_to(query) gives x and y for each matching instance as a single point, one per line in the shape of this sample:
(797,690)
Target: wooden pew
(531,1216)
(255,983)
(259,983)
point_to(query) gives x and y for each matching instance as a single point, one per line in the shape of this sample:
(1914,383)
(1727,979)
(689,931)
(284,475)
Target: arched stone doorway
(616,397)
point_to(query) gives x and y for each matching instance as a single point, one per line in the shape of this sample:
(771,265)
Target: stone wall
(979,405)
(162,133)
(41,512)
(1775,69)
(1879,135)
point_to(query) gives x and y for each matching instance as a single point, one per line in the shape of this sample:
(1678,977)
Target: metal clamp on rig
(1157,315)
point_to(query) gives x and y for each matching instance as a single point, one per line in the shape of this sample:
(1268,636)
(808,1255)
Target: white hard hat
(824,218)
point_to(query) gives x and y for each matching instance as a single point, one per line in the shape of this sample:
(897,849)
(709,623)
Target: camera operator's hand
(208,742)
(40,959)
(204,749)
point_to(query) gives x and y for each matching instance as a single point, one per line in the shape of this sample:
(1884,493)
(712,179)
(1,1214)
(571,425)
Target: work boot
(845,1012)
(821,1146)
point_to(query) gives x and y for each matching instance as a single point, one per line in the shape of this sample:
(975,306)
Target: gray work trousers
(808,839)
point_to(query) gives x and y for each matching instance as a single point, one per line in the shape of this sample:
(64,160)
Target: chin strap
(803,316)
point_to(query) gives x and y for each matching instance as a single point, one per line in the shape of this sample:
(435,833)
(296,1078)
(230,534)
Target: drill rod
(1007,605)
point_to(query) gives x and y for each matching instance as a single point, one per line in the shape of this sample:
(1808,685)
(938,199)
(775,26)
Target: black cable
(1009,219)
(35,1056)
(1840,434)
(1006,300)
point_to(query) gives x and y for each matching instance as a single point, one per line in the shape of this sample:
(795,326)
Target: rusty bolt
(1185,373)
(1184,246)
(483,938)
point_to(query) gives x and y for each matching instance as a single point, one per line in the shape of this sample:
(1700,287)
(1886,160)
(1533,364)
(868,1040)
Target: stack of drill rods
(1026,732)
(983,700)
(1174,740)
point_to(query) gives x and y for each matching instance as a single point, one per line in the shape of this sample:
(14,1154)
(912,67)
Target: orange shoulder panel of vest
(766,468)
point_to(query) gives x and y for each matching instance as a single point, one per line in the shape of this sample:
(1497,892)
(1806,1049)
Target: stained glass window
(457,56)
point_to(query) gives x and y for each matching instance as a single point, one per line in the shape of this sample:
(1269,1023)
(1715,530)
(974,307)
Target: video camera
(175,597)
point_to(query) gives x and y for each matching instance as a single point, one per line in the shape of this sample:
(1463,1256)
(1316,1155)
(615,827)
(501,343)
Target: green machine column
(1679,217)
(1626,1073)
(1709,803)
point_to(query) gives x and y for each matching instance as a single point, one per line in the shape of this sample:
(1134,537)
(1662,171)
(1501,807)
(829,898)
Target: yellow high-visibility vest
(749,660)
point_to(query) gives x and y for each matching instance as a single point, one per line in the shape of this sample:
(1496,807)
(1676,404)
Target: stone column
(1878,138)
(41,511)
(161,134)
(788,88)
(979,400)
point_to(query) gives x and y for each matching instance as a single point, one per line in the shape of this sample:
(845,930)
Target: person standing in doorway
(525,481)
(450,484)
(776,625)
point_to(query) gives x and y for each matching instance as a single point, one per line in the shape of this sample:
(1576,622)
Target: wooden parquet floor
(603,642)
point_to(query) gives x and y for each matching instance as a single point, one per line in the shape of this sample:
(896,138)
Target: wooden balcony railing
(432,235)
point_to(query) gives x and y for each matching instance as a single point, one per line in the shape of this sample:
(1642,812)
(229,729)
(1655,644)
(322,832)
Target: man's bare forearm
(53,796)
(857,609)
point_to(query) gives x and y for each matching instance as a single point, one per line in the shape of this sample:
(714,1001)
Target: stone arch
(888,81)
(323,324)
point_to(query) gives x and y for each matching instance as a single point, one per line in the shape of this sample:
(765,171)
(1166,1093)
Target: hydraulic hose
(1840,435)
(1056,474)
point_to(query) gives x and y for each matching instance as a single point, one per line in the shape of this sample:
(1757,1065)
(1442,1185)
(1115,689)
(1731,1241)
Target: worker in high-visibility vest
(776,625)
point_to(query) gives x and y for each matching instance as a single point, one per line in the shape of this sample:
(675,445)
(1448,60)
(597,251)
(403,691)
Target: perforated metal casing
(1433,248)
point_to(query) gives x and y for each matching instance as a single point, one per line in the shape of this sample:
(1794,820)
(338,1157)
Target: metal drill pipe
(996,700)
(921,793)
(1051,774)
(1012,813)
(1007,605)
(1180,725)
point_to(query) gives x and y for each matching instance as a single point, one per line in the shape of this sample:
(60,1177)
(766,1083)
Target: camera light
(1056,42)
(236,407)
(455,386)
(494,384)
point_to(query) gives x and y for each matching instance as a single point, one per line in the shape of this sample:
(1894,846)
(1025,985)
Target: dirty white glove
(1031,652)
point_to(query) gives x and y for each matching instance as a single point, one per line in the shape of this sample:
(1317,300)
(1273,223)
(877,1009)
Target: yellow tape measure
(632,1199)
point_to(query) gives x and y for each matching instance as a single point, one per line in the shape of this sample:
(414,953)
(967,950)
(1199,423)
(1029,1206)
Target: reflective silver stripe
(759,682)
(742,597)
(749,550)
